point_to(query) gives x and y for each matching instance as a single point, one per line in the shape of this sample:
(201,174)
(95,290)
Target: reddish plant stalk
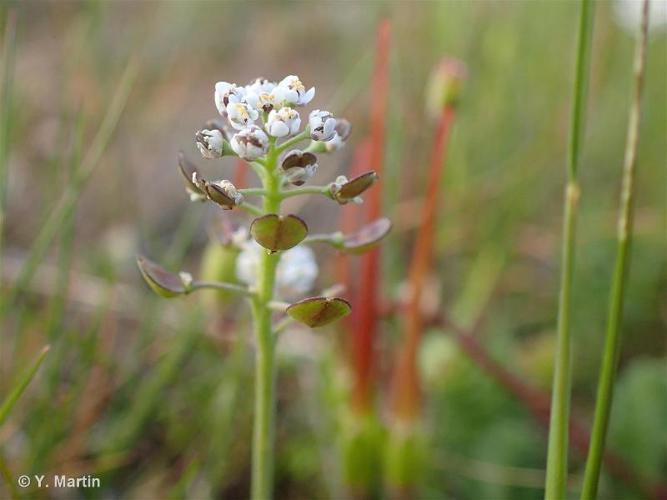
(406,389)
(368,297)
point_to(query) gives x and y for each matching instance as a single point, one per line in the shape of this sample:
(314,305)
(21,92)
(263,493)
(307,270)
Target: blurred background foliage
(152,396)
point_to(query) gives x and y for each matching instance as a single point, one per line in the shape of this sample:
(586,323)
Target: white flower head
(241,114)
(260,85)
(226,93)
(293,92)
(296,273)
(210,143)
(343,129)
(322,125)
(250,143)
(283,122)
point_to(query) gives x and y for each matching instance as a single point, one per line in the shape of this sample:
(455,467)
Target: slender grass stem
(263,428)
(624,241)
(5,110)
(556,479)
(21,385)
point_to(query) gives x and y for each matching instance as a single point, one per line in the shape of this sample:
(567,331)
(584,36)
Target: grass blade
(20,387)
(556,480)
(615,318)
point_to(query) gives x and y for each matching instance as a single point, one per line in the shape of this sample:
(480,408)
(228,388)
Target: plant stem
(304,190)
(615,315)
(293,141)
(263,430)
(556,479)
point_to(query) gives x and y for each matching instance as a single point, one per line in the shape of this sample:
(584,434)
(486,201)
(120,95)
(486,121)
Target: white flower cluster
(296,273)
(264,109)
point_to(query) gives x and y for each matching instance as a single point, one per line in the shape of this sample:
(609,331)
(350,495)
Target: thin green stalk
(66,205)
(556,479)
(615,315)
(21,385)
(263,429)
(5,111)
(304,190)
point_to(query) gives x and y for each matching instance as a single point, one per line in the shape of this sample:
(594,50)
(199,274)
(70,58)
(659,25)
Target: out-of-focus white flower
(283,122)
(226,93)
(250,143)
(299,166)
(343,129)
(241,114)
(296,273)
(292,91)
(322,125)
(628,14)
(210,143)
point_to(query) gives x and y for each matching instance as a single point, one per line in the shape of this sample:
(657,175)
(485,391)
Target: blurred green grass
(152,396)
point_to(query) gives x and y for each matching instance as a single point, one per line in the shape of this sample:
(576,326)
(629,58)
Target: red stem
(406,387)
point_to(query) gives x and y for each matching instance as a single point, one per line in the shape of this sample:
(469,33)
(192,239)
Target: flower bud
(260,85)
(241,114)
(224,193)
(226,93)
(445,86)
(284,122)
(291,91)
(322,125)
(250,143)
(299,166)
(343,129)
(211,144)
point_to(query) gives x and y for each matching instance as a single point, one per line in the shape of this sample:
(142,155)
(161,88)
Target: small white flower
(260,85)
(210,143)
(250,143)
(292,91)
(322,125)
(284,122)
(343,129)
(226,93)
(186,279)
(241,114)
(296,273)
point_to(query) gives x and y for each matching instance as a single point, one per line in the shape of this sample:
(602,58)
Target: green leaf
(278,232)
(20,387)
(319,311)
(367,237)
(164,283)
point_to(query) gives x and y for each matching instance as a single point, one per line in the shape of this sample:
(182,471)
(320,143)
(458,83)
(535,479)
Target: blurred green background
(153,396)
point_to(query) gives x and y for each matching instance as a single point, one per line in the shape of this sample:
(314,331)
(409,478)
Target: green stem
(304,190)
(615,315)
(556,478)
(293,141)
(263,430)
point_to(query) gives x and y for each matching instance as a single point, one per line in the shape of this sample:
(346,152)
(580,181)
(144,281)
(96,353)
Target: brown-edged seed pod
(224,193)
(299,166)
(278,232)
(319,311)
(367,237)
(344,191)
(164,283)
(190,174)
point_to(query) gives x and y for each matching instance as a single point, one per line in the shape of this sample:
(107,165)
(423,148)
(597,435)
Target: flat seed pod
(278,232)
(354,187)
(367,237)
(163,282)
(224,195)
(319,311)
(187,169)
